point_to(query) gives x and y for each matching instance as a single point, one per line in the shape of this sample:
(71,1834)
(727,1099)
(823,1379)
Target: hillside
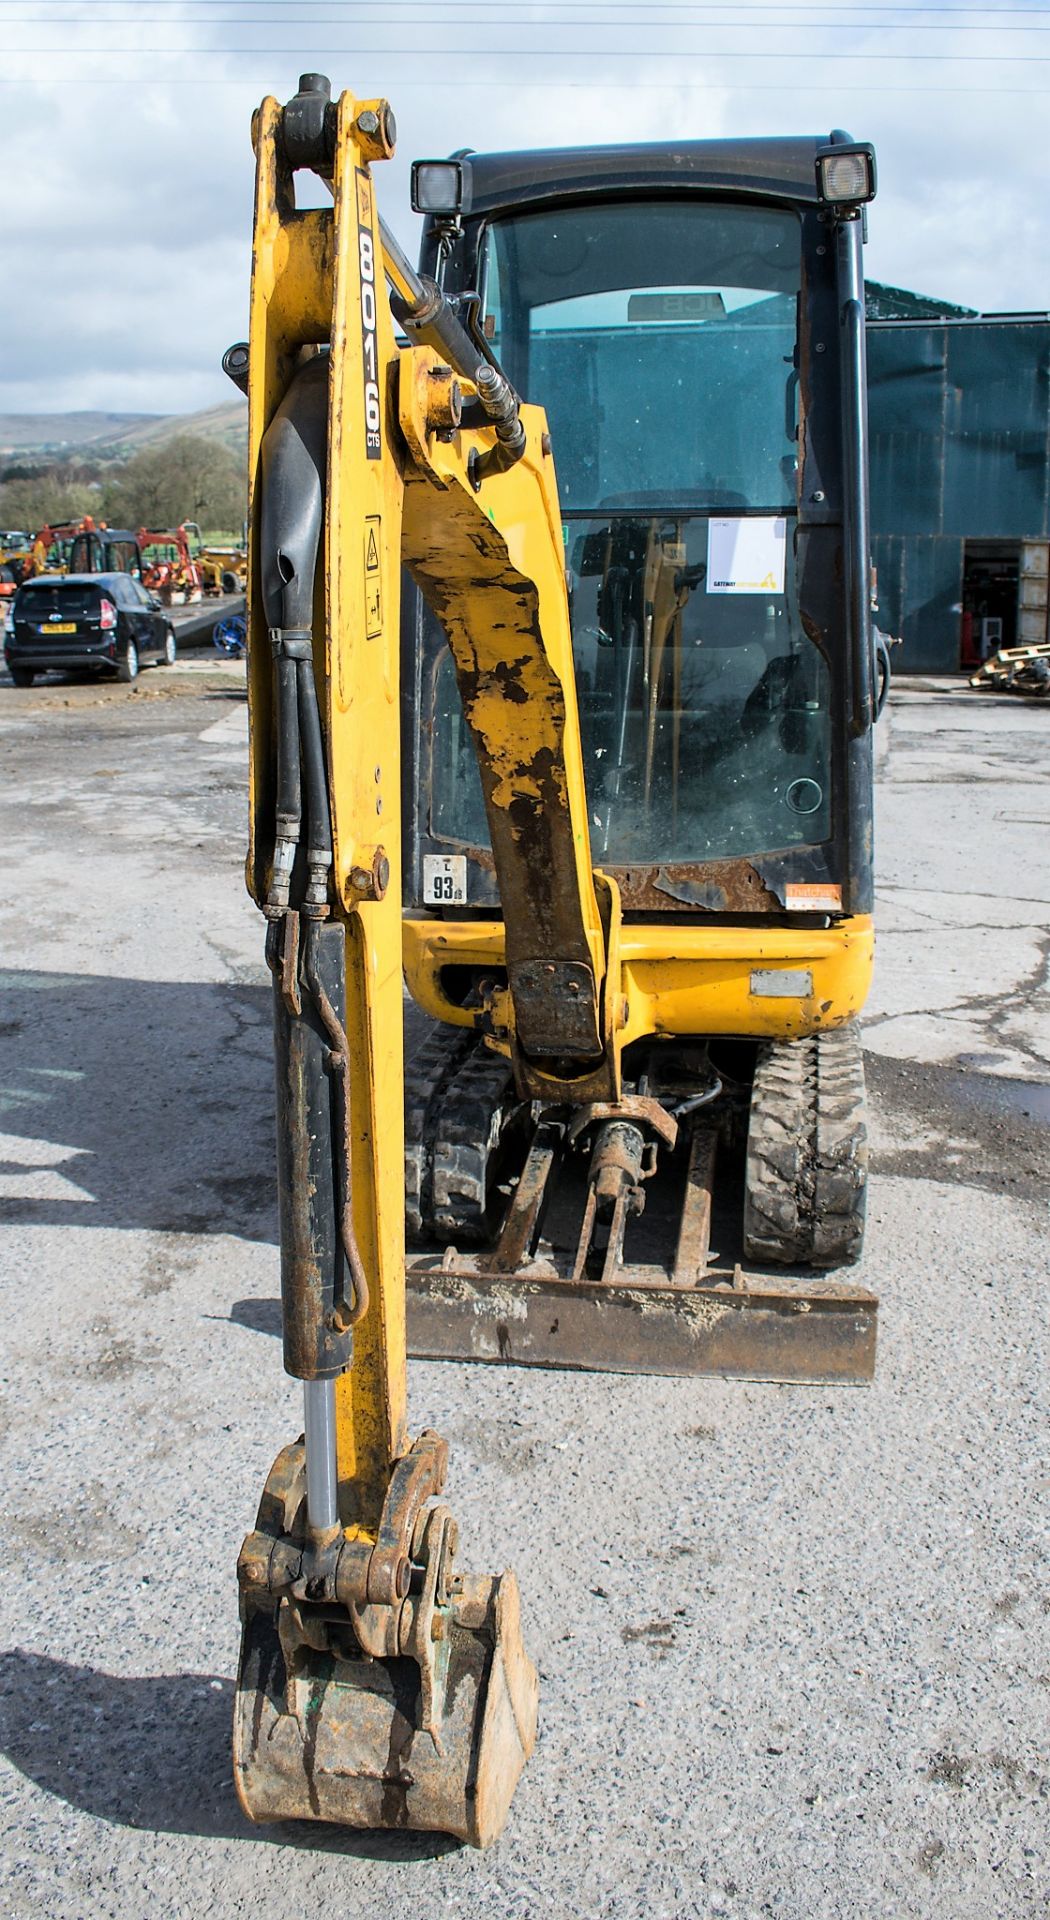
(52,432)
(112,436)
(228,423)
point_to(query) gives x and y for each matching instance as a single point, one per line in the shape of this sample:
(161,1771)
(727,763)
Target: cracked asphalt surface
(794,1643)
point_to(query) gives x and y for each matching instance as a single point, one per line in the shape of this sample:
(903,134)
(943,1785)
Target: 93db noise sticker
(369,346)
(444,879)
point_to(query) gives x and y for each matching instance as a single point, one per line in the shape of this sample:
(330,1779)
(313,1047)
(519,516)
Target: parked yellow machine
(588,999)
(224,569)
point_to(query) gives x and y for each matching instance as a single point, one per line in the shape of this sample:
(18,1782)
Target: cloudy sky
(127,165)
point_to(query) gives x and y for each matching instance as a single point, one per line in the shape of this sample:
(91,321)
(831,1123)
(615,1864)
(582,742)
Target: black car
(106,622)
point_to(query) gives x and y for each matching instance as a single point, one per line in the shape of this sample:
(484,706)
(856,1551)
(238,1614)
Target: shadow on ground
(259,1316)
(153,1753)
(136,1103)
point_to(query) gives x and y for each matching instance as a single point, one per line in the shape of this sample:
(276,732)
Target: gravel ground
(794,1643)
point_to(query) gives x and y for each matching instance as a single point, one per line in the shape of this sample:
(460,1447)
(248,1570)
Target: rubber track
(807,1152)
(458,1095)
(426,1076)
(472,1111)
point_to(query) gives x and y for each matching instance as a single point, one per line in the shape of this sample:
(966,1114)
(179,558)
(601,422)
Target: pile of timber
(1016,670)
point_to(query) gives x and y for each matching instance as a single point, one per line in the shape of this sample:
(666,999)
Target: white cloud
(128,198)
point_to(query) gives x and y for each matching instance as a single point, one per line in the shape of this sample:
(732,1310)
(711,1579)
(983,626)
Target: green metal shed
(959,411)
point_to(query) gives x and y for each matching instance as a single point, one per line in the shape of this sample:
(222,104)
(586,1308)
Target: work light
(437,186)
(846,175)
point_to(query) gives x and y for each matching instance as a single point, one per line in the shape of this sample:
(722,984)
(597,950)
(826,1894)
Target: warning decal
(373,584)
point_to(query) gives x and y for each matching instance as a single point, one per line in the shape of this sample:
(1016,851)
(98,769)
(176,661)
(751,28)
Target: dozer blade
(432,1739)
(562,1288)
(806,1329)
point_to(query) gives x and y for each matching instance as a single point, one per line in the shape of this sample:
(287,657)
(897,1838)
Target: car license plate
(59,626)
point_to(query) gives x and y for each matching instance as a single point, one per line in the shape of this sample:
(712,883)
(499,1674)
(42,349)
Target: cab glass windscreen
(661,338)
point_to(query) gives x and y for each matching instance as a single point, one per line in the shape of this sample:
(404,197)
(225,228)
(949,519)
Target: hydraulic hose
(324,1289)
(419,306)
(311,1152)
(315,775)
(500,402)
(289,779)
(294,452)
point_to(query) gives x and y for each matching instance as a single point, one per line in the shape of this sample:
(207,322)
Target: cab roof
(778,169)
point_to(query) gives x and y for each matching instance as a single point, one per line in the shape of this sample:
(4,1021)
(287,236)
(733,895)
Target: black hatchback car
(105,622)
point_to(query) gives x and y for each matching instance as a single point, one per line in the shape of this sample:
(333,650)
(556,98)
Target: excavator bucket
(324,1731)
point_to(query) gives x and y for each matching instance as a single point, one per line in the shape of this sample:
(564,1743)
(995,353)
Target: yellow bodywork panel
(682,980)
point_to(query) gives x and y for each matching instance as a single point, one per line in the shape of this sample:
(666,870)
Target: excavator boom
(378,1685)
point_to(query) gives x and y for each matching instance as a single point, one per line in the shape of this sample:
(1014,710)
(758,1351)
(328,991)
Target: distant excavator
(636,803)
(171,565)
(83,546)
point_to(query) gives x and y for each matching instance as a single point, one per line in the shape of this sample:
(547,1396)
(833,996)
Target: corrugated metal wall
(960,450)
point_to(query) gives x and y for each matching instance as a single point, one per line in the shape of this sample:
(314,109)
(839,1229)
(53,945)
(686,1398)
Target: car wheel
(169,647)
(229,582)
(128,668)
(22,676)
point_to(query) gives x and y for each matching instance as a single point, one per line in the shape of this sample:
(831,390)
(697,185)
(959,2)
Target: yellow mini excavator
(635,800)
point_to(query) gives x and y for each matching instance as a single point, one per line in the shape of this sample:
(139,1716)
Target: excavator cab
(691,319)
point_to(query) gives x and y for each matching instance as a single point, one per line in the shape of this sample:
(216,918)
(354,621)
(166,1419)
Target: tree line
(186,478)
